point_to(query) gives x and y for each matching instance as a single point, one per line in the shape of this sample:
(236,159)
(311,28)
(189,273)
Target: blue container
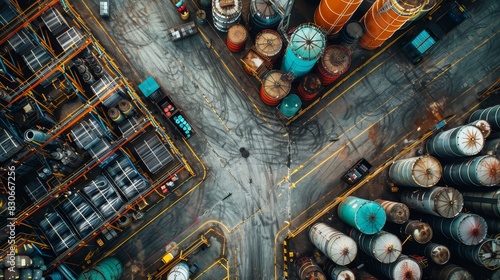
(263,16)
(365,215)
(107,269)
(290,105)
(307,43)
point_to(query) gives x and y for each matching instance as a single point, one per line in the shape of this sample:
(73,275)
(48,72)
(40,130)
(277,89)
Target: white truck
(104,8)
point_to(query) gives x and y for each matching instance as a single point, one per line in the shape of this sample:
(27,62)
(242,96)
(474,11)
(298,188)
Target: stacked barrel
(236,37)
(334,62)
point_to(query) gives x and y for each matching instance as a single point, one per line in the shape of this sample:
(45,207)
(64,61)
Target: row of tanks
(442,232)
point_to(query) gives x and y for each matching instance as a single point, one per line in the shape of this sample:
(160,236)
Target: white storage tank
(424,171)
(179,272)
(340,248)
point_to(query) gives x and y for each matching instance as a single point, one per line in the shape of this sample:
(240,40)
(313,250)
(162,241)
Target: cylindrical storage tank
(11,273)
(438,201)
(468,229)
(309,87)
(22,261)
(404,268)
(269,44)
(54,276)
(451,272)
(333,14)
(364,275)
(308,269)
(25,249)
(420,232)
(491,115)
(486,253)
(225,15)
(32,135)
(491,147)
(108,269)
(424,171)
(126,107)
(38,274)
(236,37)
(337,272)
(437,253)
(27,274)
(179,272)
(396,212)
(306,46)
(290,105)
(263,16)
(115,115)
(384,18)
(365,215)
(351,33)
(275,86)
(461,141)
(340,248)
(493,225)
(484,203)
(480,171)
(334,62)
(483,126)
(383,246)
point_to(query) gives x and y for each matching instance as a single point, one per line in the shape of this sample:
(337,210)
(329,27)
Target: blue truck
(441,22)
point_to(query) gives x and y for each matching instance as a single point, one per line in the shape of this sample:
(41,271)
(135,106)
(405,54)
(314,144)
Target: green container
(107,269)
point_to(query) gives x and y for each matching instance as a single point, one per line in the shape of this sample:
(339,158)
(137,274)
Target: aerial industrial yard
(332,139)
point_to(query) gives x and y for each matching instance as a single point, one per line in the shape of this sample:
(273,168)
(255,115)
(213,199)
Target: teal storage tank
(290,106)
(484,203)
(491,115)
(481,171)
(263,15)
(461,141)
(107,269)
(365,215)
(307,43)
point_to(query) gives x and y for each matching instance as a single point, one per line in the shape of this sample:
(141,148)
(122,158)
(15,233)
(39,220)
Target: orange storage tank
(333,14)
(384,18)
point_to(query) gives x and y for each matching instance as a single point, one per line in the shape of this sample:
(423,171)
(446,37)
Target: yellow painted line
(215,112)
(246,219)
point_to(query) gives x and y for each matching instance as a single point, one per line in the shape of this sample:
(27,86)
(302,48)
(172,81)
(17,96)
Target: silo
(480,171)
(461,141)
(340,248)
(269,44)
(438,201)
(334,62)
(290,105)
(225,13)
(468,229)
(404,268)
(306,46)
(108,269)
(484,203)
(333,14)
(263,15)
(337,272)
(483,126)
(491,115)
(309,87)
(179,272)
(365,215)
(275,86)
(383,246)
(308,269)
(451,272)
(424,171)
(439,254)
(384,18)
(486,253)
(419,231)
(491,147)
(396,212)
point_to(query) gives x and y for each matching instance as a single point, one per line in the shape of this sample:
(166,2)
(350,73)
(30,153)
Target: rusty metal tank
(491,115)
(438,201)
(404,268)
(275,86)
(458,142)
(486,253)
(437,253)
(308,269)
(484,203)
(384,18)
(334,62)
(396,212)
(469,229)
(480,171)
(424,171)
(338,247)
(383,246)
(420,232)
(451,272)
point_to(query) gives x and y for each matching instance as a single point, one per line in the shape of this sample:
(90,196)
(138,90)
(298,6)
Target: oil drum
(309,87)
(236,37)
(269,43)
(275,86)
(334,62)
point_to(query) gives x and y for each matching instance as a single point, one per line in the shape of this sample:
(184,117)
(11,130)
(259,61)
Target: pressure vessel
(383,246)
(338,247)
(468,229)
(396,212)
(438,201)
(424,171)
(365,215)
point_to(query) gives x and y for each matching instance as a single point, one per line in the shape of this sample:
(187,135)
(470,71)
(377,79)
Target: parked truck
(441,22)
